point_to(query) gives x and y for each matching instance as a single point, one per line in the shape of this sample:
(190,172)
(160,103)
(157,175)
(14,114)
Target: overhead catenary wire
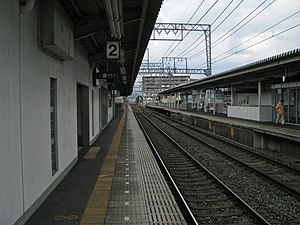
(195,25)
(242,23)
(191,45)
(187,22)
(251,38)
(259,42)
(202,51)
(226,36)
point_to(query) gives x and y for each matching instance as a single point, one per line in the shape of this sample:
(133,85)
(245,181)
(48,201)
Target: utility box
(56,28)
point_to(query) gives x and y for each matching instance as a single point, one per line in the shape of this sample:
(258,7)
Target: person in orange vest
(280,112)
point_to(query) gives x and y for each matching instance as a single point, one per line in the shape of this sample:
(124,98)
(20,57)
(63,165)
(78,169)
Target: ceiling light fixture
(114,12)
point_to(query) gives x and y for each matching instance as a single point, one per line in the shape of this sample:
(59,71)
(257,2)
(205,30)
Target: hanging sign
(112,49)
(105,75)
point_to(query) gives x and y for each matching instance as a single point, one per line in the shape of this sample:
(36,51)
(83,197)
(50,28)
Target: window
(53,124)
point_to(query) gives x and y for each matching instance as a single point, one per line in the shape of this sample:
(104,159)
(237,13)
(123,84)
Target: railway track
(282,175)
(270,199)
(206,197)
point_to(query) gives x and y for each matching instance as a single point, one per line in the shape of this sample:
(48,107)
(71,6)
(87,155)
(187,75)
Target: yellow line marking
(92,153)
(94,213)
(105,175)
(92,219)
(231,132)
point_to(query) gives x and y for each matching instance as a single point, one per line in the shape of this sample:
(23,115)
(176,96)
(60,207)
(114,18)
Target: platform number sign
(112,49)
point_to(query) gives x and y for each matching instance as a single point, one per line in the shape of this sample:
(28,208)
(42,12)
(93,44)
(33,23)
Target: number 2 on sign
(112,50)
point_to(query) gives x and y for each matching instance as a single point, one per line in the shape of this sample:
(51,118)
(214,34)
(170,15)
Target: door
(104,106)
(82,116)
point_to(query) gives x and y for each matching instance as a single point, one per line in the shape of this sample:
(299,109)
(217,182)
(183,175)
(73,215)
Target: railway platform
(274,139)
(116,181)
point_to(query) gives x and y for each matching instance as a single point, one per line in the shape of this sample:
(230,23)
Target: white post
(174,102)
(231,96)
(187,100)
(214,101)
(259,100)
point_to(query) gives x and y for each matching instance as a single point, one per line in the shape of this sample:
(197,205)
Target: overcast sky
(269,26)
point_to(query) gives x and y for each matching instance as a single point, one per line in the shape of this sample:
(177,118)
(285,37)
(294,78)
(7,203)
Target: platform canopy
(127,22)
(270,71)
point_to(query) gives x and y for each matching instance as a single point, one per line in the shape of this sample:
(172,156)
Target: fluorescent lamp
(114,11)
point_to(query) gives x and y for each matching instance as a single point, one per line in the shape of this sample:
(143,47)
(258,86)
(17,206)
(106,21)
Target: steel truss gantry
(175,28)
(168,67)
(178,30)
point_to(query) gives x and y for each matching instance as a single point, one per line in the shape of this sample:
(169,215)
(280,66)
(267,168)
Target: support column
(231,96)
(259,100)
(198,100)
(187,101)
(174,101)
(177,101)
(214,101)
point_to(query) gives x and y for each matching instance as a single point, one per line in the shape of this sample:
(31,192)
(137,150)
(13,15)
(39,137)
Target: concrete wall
(25,72)
(11,183)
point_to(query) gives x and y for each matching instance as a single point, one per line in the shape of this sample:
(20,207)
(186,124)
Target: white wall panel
(36,67)
(96,119)
(11,206)
(110,114)
(25,71)
(66,115)
(266,98)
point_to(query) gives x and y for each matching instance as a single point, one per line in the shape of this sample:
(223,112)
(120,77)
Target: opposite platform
(275,140)
(287,131)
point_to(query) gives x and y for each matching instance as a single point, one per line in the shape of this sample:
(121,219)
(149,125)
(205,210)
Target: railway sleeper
(197,207)
(197,199)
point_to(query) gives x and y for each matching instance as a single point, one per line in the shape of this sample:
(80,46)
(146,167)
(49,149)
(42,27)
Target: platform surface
(139,194)
(116,181)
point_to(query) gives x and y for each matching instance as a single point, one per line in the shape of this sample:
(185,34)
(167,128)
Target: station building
(248,92)
(62,63)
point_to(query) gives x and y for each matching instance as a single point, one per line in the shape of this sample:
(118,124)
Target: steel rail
(228,190)
(230,142)
(192,217)
(295,193)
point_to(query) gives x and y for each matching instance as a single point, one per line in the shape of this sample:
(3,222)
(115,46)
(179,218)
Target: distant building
(151,85)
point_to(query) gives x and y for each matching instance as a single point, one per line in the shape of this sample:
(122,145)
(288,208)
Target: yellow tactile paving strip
(91,154)
(94,213)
